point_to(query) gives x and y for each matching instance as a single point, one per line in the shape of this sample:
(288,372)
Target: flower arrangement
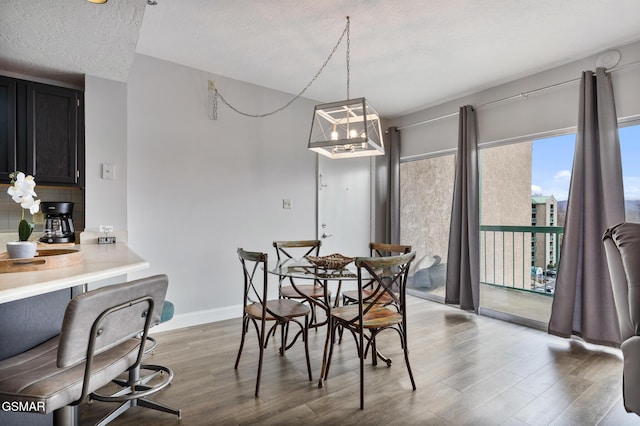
(22,192)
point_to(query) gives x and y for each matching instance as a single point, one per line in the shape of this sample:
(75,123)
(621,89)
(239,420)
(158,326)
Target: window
(630,151)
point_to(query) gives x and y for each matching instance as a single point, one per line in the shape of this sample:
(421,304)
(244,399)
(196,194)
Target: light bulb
(353,133)
(334,135)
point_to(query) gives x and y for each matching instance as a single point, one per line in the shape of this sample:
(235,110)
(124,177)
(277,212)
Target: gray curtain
(463,259)
(583,302)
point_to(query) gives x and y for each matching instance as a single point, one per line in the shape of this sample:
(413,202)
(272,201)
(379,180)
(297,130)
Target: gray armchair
(622,246)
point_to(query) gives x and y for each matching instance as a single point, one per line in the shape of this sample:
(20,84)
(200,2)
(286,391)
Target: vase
(21,249)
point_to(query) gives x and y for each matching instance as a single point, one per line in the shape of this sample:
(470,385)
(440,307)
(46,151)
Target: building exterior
(544,246)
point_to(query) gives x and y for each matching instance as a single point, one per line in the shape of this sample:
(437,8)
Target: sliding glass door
(426,194)
(524,189)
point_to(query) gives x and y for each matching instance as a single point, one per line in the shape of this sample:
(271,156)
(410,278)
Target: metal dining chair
(375,250)
(368,292)
(366,319)
(259,310)
(304,292)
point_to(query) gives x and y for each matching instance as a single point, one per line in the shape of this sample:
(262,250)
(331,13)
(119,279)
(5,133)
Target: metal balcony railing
(520,257)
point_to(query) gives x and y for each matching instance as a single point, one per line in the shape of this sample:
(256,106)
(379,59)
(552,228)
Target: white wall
(544,111)
(198,189)
(106,142)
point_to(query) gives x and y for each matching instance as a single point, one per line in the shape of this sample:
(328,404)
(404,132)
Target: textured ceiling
(65,39)
(405,54)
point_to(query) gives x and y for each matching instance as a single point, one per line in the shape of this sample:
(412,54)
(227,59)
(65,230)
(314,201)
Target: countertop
(101,261)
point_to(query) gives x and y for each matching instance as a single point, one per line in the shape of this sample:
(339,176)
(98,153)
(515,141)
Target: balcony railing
(520,257)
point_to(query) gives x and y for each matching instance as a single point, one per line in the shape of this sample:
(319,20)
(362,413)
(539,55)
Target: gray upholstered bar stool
(101,337)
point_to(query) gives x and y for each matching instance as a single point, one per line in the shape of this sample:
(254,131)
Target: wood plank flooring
(469,370)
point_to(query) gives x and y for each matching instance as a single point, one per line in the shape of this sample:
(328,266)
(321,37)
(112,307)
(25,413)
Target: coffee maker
(58,225)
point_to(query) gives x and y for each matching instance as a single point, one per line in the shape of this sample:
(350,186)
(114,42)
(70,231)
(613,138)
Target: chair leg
(323,370)
(406,360)
(272,332)
(245,326)
(337,299)
(333,325)
(115,413)
(306,344)
(66,416)
(142,402)
(374,350)
(261,339)
(361,356)
(284,337)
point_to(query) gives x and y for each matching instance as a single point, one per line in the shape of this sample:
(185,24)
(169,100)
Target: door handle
(325,235)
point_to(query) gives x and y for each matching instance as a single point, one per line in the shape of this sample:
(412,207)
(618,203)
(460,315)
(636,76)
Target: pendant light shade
(344,129)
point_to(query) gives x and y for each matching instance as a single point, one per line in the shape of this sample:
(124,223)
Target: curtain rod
(520,95)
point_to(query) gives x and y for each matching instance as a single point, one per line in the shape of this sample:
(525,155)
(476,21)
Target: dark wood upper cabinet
(52,133)
(48,133)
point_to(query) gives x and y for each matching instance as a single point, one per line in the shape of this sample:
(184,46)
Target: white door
(344,205)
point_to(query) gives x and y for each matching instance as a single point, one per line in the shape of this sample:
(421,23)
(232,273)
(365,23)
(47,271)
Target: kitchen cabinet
(42,132)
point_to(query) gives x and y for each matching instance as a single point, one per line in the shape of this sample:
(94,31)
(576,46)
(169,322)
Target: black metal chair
(259,310)
(375,250)
(388,277)
(103,335)
(304,292)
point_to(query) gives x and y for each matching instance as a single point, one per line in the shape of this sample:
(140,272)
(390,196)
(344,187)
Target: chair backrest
(254,267)
(296,249)
(384,249)
(387,276)
(116,313)
(622,247)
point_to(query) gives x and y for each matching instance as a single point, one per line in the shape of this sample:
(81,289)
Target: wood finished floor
(469,370)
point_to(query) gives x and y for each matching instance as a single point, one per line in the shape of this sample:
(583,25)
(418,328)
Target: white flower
(31,204)
(22,191)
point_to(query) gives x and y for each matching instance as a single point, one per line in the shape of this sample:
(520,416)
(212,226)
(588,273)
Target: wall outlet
(287,204)
(108,171)
(38,218)
(106,240)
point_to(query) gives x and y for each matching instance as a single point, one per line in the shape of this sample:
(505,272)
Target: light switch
(108,171)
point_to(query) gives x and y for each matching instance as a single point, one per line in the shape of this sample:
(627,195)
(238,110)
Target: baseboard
(199,317)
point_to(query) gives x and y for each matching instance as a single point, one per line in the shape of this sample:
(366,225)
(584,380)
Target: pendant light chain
(348,30)
(214,94)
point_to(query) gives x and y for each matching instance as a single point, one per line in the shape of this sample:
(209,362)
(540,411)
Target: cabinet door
(52,134)
(8,135)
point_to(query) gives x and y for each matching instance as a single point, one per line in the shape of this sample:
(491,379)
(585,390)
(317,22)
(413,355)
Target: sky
(553,159)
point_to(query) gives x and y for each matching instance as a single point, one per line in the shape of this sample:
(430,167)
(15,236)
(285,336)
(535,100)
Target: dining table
(303,269)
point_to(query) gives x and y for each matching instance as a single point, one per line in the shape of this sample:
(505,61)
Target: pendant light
(345,129)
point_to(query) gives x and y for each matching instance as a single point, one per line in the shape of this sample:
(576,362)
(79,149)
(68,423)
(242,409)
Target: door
(344,205)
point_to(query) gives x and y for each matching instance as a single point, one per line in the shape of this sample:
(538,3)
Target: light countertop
(101,261)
